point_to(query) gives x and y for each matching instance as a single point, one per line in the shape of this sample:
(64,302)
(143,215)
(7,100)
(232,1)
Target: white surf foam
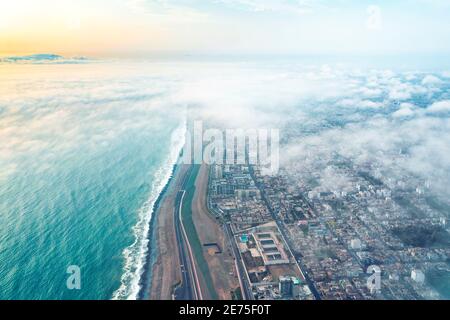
(135,255)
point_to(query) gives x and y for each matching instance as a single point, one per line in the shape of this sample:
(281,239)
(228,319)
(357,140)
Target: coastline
(162,270)
(152,256)
(139,256)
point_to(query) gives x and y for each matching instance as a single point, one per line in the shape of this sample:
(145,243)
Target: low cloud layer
(395,123)
(373,116)
(50,111)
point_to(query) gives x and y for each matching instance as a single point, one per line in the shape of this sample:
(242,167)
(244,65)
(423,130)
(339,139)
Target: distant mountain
(43,58)
(34,57)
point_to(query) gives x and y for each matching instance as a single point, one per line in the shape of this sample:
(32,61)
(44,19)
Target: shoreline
(150,248)
(162,269)
(152,256)
(140,256)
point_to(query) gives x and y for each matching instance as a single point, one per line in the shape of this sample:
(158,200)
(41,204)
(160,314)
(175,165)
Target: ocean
(85,151)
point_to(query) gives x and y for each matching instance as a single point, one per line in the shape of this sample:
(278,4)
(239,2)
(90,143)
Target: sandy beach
(166,270)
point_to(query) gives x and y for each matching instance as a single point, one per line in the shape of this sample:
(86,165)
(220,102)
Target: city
(323,241)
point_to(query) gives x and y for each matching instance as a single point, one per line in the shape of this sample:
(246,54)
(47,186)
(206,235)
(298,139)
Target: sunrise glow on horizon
(138,27)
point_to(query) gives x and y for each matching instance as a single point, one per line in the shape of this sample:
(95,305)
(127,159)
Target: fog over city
(394,122)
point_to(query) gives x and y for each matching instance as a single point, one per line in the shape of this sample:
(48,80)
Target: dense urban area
(297,241)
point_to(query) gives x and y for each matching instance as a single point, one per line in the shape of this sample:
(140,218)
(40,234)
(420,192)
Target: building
(272,250)
(418,276)
(286,286)
(296,287)
(355,244)
(218,172)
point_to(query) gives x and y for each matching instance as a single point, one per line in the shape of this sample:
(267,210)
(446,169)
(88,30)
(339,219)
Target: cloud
(376,119)
(198,10)
(402,89)
(400,144)
(359,103)
(439,107)
(375,145)
(431,80)
(250,96)
(405,112)
(400,92)
(371,92)
(77,109)
(320,110)
(169,10)
(286,6)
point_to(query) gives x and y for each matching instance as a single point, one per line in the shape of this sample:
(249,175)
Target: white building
(355,244)
(418,276)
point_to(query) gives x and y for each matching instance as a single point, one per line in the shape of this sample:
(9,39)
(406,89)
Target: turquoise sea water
(85,151)
(440,280)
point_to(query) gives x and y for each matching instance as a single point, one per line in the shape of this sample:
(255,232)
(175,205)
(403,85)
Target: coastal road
(184,291)
(190,288)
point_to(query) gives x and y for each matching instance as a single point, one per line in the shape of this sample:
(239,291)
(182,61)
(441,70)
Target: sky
(141,27)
